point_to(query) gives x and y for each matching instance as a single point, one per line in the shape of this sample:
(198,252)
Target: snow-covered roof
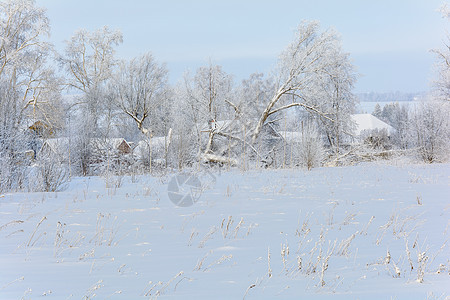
(158,143)
(111,143)
(369,122)
(57,144)
(60,145)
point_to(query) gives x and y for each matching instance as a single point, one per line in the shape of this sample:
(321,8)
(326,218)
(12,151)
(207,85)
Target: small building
(55,147)
(154,149)
(100,147)
(372,131)
(41,129)
(118,145)
(367,122)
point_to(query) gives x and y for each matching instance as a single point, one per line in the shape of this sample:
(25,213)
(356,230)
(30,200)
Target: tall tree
(430,130)
(142,90)
(336,100)
(29,89)
(208,95)
(442,83)
(301,68)
(89,60)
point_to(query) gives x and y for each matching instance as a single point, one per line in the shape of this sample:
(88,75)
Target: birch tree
(208,95)
(300,66)
(25,74)
(335,100)
(141,89)
(442,83)
(89,61)
(208,92)
(28,85)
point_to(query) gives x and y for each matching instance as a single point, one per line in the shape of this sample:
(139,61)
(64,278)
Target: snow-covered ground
(372,231)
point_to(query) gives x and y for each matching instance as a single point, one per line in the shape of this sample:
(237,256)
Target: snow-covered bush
(310,150)
(430,130)
(397,116)
(377,139)
(48,175)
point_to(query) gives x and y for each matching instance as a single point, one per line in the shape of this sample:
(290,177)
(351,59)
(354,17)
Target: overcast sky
(389,40)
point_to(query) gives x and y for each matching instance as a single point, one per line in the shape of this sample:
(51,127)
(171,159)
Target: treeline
(125,117)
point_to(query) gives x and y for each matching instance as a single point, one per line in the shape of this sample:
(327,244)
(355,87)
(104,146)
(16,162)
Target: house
(55,147)
(365,126)
(100,147)
(365,123)
(155,149)
(41,129)
(118,145)
(372,131)
(157,145)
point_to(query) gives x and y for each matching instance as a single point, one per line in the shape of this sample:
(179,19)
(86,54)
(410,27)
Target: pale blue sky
(389,40)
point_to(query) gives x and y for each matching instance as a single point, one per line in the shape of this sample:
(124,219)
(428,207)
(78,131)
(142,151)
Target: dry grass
(34,232)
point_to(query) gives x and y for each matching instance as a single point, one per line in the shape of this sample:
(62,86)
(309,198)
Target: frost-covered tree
(186,127)
(301,73)
(401,124)
(377,111)
(253,94)
(442,83)
(141,90)
(310,149)
(430,125)
(335,99)
(430,130)
(89,61)
(209,99)
(208,91)
(397,116)
(29,89)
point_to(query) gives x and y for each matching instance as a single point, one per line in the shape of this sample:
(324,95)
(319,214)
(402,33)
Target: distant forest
(390,96)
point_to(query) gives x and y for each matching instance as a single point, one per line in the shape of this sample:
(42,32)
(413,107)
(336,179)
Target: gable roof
(108,143)
(61,145)
(369,122)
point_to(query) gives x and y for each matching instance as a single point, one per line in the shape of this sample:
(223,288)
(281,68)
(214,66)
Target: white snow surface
(353,225)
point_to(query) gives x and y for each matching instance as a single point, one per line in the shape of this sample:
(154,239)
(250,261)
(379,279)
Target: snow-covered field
(372,231)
